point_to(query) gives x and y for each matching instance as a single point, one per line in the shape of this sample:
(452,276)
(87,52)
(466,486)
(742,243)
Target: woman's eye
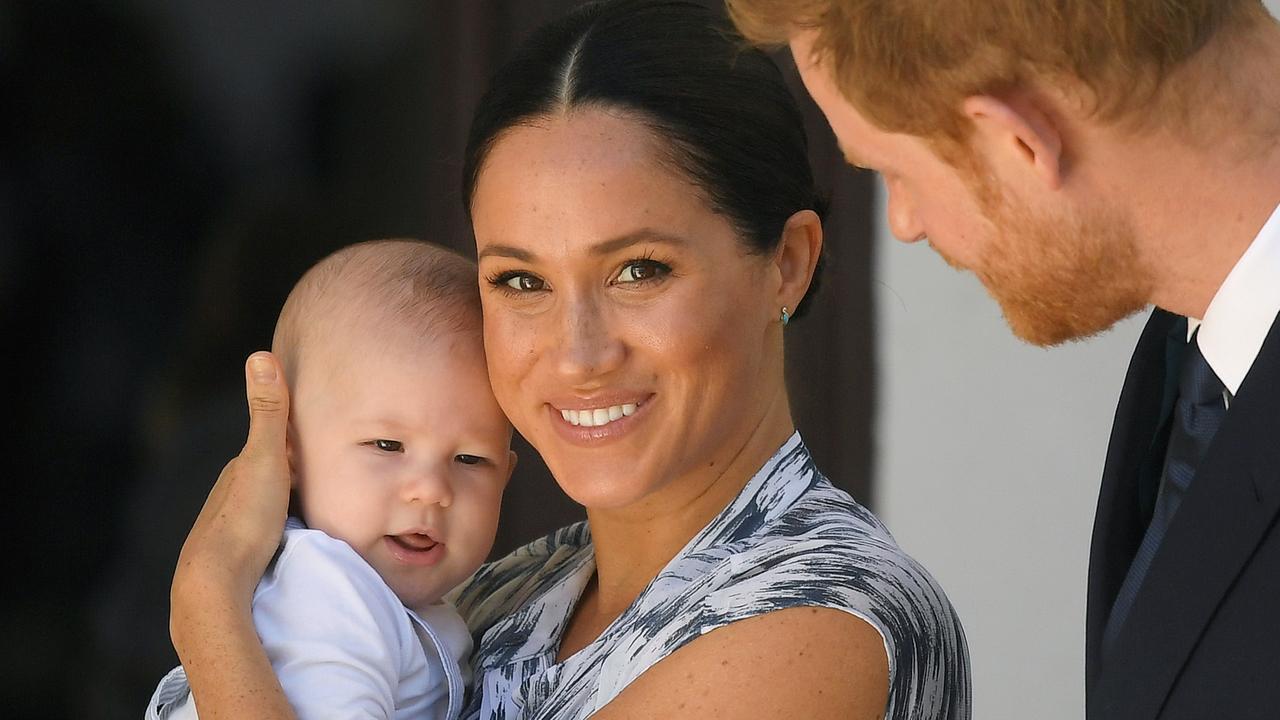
(389,445)
(523,283)
(641,270)
(468,459)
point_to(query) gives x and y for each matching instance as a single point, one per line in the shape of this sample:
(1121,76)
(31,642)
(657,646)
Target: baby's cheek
(483,527)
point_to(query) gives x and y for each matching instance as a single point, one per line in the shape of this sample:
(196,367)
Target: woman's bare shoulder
(801,662)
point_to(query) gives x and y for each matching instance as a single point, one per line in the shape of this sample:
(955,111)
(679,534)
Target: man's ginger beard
(1057,278)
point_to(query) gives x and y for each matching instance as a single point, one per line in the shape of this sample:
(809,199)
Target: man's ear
(1016,137)
(797,256)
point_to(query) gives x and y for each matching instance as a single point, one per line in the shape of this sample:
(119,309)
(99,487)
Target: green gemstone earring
(786,316)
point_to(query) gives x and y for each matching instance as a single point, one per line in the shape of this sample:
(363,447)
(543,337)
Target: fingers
(268,409)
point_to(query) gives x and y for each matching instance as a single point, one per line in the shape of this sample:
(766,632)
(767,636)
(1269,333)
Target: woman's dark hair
(732,125)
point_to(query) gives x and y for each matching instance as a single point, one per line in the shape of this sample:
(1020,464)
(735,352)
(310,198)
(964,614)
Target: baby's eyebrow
(378,424)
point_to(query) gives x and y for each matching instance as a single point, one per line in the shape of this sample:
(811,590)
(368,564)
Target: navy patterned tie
(1197,415)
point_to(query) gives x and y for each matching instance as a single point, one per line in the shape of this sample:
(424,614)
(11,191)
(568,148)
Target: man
(1085,159)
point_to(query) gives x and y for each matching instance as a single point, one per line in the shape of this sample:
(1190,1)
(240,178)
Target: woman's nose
(589,345)
(428,486)
(903,221)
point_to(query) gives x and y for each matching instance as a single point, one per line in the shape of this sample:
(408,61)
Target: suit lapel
(1228,510)
(1119,523)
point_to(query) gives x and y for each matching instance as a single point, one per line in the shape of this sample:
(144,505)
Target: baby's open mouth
(414,542)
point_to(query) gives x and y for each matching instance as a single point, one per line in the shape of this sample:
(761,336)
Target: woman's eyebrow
(605,247)
(506,251)
(634,238)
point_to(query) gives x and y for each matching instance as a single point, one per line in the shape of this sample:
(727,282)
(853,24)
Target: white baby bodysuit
(341,642)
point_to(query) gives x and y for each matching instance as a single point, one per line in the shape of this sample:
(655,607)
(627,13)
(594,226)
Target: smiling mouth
(596,417)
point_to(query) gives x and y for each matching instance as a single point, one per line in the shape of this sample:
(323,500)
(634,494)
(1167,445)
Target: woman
(646,226)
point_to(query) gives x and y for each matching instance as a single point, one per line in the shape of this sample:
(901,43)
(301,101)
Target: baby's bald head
(396,443)
(393,292)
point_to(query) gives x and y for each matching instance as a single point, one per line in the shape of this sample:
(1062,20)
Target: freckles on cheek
(510,353)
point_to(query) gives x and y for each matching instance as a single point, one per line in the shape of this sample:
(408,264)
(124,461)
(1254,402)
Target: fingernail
(262,370)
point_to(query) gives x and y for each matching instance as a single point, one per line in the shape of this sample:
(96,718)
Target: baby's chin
(416,598)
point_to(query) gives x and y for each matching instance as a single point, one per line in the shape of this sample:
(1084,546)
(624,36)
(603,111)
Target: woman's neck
(633,544)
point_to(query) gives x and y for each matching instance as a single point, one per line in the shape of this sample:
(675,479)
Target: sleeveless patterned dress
(789,539)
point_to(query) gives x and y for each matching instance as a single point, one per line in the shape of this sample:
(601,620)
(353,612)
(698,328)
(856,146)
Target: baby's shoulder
(307,553)
(316,578)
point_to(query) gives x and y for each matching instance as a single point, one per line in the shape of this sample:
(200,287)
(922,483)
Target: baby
(400,455)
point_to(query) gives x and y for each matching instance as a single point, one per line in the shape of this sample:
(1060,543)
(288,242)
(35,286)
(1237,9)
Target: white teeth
(598,416)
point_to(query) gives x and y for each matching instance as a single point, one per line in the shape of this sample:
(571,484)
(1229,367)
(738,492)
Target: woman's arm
(803,662)
(224,556)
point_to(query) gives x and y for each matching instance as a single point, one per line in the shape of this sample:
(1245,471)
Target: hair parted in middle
(720,109)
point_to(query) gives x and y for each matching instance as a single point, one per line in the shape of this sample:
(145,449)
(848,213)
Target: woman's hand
(225,554)
(241,523)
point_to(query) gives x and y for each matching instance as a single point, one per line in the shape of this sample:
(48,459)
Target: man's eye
(524,283)
(468,459)
(641,270)
(389,445)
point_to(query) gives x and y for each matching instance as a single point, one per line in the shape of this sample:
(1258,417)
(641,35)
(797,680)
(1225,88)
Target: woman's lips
(414,548)
(595,422)
(598,417)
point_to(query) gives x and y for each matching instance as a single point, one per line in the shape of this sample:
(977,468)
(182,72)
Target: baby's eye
(393,446)
(468,459)
(641,270)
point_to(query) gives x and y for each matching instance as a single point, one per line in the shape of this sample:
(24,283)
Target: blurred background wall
(168,168)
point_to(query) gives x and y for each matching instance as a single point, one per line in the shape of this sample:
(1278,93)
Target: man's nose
(904,223)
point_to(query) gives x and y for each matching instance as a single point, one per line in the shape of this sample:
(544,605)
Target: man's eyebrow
(604,247)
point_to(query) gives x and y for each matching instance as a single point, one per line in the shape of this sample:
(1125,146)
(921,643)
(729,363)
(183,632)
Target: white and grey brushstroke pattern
(790,539)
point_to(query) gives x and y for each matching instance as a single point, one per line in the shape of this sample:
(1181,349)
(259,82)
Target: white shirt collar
(1241,313)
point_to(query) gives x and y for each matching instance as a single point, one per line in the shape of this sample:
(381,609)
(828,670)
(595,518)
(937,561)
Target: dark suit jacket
(1203,637)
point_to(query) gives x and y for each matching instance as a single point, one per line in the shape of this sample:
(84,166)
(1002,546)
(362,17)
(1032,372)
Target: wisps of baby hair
(396,291)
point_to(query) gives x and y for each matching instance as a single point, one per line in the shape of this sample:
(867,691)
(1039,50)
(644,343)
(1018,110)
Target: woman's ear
(797,256)
(512,458)
(1017,138)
